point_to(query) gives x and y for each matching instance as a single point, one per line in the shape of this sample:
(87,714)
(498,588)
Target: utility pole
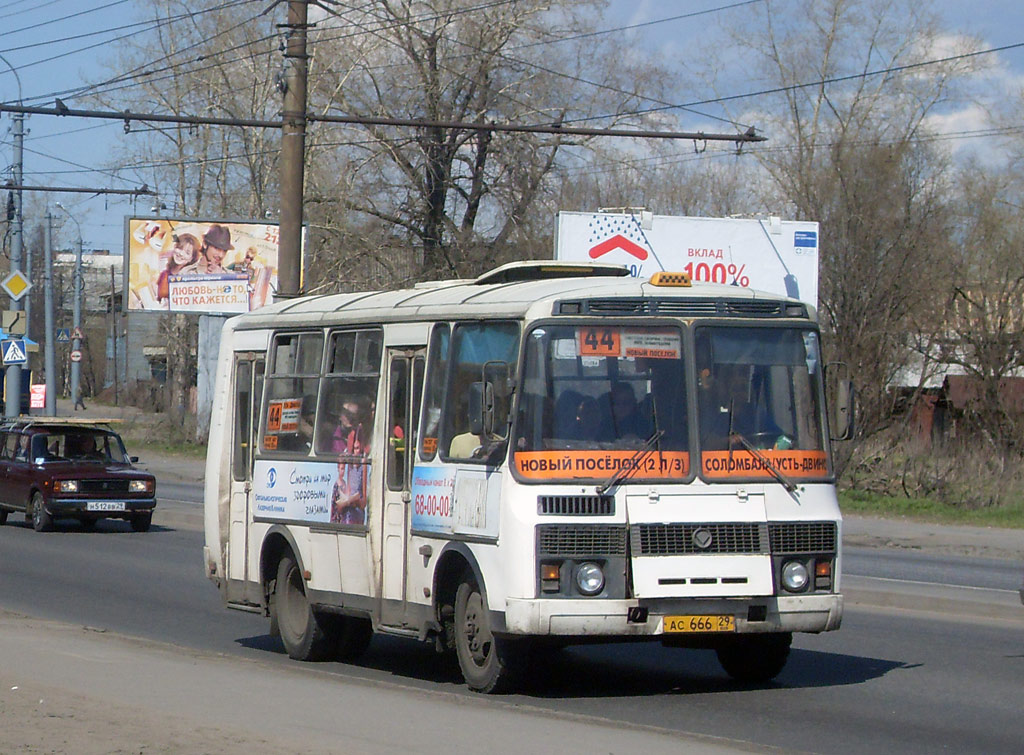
(76,321)
(76,304)
(12,384)
(50,356)
(293,152)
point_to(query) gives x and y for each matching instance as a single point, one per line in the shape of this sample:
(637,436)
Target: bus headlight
(589,578)
(794,576)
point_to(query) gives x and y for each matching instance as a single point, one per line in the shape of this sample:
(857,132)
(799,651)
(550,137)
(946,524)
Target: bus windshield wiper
(632,463)
(768,463)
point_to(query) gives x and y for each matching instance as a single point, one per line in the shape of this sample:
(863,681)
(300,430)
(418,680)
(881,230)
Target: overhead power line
(127,117)
(142,190)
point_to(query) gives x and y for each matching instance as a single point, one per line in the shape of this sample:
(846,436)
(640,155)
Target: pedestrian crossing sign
(13,351)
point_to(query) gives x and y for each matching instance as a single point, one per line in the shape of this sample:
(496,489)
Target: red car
(60,468)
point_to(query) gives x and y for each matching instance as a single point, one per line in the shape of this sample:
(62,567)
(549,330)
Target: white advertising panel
(294,490)
(777,256)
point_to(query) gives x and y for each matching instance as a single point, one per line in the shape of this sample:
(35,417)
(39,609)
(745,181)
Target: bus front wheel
(301,632)
(483,658)
(755,658)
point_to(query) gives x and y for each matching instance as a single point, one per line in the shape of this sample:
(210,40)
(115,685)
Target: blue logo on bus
(271,477)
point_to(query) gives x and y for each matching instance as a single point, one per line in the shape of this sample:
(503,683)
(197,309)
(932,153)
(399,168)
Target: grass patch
(1009,515)
(138,447)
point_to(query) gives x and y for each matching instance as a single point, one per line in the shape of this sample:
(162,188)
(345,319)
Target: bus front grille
(678,539)
(576,505)
(802,537)
(581,540)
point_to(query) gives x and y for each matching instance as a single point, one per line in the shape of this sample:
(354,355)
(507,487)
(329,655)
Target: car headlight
(140,486)
(67,486)
(589,578)
(794,576)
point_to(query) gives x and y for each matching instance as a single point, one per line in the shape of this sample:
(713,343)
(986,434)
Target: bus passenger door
(405,387)
(248,391)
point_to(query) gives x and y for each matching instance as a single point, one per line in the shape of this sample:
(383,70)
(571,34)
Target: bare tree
(851,154)
(983,330)
(457,199)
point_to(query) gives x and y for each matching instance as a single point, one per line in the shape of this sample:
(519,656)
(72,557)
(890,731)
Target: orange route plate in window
(599,342)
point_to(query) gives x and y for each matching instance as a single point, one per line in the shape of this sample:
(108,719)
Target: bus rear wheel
(485,660)
(755,658)
(303,635)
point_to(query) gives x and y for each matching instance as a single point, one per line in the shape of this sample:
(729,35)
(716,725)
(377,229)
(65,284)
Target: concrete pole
(12,385)
(50,356)
(293,152)
(76,321)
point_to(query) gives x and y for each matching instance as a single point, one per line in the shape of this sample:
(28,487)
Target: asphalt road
(888,680)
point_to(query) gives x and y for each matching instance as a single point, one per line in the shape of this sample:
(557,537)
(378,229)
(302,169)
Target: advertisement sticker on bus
(433,489)
(293,490)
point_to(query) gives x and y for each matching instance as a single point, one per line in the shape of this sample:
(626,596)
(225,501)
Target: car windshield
(601,399)
(78,445)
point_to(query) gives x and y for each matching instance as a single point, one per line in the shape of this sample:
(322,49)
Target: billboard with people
(199,266)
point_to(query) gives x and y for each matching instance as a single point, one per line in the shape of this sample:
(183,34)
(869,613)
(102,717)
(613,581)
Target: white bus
(548,454)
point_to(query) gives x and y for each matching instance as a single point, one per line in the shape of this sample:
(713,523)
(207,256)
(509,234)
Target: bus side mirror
(481,409)
(841,417)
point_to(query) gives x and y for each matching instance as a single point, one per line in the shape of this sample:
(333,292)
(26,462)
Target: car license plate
(714,623)
(105,506)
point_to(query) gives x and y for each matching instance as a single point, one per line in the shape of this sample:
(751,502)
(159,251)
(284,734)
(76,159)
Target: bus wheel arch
(277,543)
(454,561)
(487,661)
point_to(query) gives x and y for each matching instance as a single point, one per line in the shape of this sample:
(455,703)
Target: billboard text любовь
(209,267)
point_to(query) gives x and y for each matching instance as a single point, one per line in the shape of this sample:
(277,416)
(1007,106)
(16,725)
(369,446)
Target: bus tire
(483,658)
(755,658)
(351,637)
(301,630)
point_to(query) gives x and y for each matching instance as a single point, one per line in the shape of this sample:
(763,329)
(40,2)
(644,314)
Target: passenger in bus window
(623,419)
(465,445)
(349,437)
(588,419)
(348,501)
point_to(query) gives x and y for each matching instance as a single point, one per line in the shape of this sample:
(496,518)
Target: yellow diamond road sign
(16,285)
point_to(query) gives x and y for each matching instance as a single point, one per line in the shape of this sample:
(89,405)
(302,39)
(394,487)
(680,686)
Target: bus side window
(481,352)
(437,376)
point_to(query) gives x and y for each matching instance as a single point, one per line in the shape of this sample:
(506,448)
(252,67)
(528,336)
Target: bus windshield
(596,397)
(759,403)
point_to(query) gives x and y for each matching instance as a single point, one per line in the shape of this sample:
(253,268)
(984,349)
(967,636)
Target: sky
(56,46)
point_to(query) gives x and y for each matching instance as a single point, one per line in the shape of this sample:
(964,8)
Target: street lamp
(76,320)
(12,376)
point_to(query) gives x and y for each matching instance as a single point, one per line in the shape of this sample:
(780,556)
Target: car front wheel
(141,522)
(41,519)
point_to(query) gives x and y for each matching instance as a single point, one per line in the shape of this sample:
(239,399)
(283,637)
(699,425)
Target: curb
(949,600)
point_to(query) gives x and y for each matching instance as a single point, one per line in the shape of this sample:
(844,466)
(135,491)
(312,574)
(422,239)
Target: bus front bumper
(614,618)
